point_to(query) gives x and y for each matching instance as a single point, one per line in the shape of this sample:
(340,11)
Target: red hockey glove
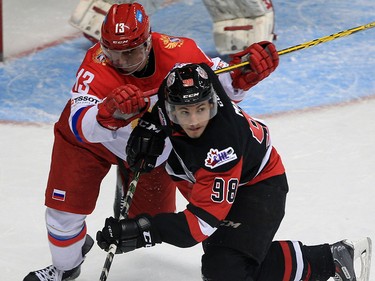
(263,60)
(121,106)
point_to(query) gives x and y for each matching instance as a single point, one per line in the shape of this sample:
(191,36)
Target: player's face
(193,118)
(130,60)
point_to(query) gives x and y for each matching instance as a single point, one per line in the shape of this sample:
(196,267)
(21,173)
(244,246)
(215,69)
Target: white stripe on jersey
(172,173)
(265,159)
(299,261)
(205,228)
(188,176)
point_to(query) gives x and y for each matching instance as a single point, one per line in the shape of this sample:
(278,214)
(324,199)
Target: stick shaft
(308,44)
(305,45)
(124,214)
(324,39)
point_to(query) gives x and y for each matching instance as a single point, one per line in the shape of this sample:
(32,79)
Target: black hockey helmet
(188,84)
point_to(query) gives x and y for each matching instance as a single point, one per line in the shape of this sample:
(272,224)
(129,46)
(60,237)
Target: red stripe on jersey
(67,242)
(288,261)
(194,227)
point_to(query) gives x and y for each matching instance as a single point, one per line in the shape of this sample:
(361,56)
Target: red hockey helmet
(126,36)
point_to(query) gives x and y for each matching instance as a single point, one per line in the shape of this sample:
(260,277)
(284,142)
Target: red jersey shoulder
(95,76)
(95,55)
(182,49)
(170,42)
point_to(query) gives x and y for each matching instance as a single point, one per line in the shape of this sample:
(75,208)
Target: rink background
(36,87)
(328,150)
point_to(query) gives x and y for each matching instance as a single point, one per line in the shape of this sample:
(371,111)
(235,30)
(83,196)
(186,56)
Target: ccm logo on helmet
(190,95)
(120,42)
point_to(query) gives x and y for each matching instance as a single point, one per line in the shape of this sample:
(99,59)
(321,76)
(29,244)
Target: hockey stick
(123,215)
(305,45)
(308,44)
(294,48)
(122,180)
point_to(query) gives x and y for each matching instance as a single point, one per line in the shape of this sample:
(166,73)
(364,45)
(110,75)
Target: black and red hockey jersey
(234,151)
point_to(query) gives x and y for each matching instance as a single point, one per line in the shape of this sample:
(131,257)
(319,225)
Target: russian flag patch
(58,195)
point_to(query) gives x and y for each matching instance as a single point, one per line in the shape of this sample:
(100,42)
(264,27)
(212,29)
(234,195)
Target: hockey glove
(145,144)
(263,60)
(130,234)
(121,106)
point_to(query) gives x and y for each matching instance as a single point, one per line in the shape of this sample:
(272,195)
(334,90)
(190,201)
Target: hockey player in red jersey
(225,164)
(94,127)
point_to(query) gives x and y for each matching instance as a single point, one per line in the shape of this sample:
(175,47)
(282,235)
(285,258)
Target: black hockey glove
(145,143)
(130,234)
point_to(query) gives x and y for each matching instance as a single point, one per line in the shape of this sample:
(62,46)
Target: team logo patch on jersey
(217,158)
(99,57)
(58,195)
(171,42)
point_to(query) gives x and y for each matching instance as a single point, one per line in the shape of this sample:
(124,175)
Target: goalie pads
(88,16)
(238,24)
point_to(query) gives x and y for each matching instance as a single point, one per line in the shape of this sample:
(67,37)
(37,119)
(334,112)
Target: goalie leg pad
(235,35)
(88,17)
(227,10)
(238,24)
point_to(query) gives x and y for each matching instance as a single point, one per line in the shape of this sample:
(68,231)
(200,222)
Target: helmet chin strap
(142,66)
(125,72)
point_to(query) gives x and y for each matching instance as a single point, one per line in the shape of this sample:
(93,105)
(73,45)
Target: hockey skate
(346,254)
(51,273)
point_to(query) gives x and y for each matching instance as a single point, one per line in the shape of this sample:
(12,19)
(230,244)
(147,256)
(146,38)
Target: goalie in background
(236,24)
(88,16)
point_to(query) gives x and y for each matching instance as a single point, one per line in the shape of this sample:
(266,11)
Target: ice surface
(328,150)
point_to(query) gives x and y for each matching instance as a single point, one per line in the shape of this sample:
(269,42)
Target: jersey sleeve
(94,81)
(236,95)
(211,198)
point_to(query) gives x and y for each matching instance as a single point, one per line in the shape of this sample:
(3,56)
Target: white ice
(328,153)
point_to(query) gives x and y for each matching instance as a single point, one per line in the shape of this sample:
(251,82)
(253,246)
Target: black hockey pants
(242,249)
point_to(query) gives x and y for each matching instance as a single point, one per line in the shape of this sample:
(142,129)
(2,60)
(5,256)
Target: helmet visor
(192,114)
(128,60)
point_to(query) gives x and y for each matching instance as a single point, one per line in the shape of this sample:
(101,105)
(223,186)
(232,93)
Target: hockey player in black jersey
(223,162)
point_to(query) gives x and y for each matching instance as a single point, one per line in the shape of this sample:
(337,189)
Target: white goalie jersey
(236,24)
